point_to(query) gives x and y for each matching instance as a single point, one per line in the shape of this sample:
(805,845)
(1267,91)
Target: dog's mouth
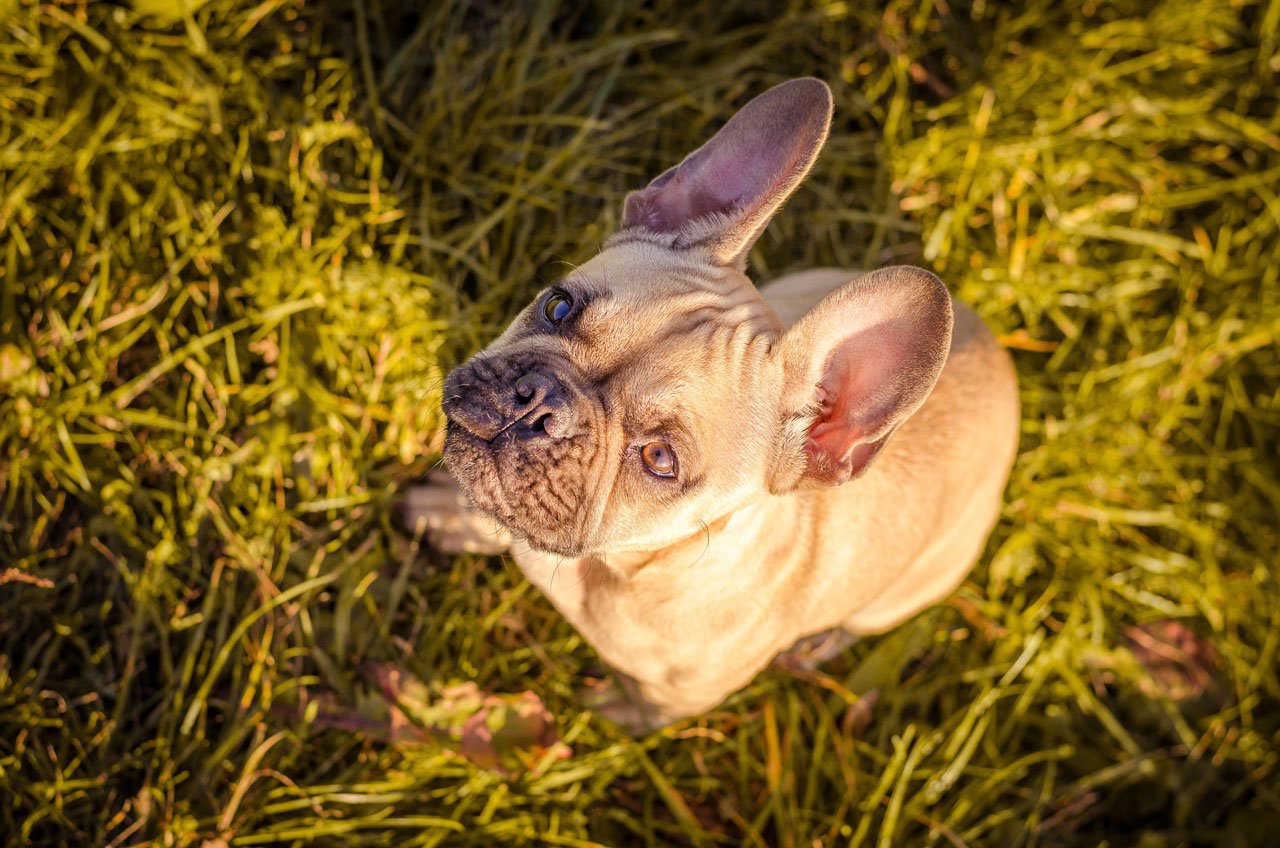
(519,442)
(535,498)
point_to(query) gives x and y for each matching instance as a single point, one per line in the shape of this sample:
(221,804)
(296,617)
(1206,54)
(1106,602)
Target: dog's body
(670,462)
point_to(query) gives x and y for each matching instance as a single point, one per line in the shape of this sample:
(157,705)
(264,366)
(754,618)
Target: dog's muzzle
(520,444)
(489,398)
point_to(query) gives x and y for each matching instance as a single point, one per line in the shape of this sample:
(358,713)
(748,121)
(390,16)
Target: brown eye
(557,308)
(659,459)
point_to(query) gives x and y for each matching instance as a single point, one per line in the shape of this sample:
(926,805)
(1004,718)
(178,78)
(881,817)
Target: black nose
(532,386)
(543,408)
(487,400)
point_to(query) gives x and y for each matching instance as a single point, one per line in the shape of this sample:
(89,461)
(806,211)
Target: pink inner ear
(664,205)
(833,435)
(858,398)
(745,169)
(717,178)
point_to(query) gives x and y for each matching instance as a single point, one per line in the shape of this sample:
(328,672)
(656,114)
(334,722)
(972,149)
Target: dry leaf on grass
(1180,664)
(512,734)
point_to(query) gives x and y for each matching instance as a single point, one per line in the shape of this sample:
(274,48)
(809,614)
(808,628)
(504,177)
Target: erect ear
(723,194)
(856,366)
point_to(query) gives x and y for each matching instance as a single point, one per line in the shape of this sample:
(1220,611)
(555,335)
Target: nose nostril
(539,425)
(526,388)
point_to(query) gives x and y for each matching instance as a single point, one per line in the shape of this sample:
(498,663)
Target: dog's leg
(438,508)
(624,701)
(812,651)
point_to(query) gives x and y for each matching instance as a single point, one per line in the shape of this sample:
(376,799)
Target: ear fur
(723,194)
(856,366)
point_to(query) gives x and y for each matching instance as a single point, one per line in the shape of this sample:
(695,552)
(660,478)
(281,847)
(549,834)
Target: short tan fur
(840,440)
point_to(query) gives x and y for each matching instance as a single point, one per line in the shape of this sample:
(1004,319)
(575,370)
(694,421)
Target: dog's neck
(744,521)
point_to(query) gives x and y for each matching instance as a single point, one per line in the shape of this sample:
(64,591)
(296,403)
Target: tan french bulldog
(698,473)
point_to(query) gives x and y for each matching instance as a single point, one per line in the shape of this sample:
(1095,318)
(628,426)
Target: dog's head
(652,390)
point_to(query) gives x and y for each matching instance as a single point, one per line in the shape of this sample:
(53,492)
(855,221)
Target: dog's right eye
(659,459)
(557,308)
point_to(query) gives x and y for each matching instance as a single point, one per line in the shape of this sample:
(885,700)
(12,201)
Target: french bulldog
(696,472)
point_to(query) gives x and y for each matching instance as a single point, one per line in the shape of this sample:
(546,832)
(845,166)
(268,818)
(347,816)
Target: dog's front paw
(612,702)
(438,508)
(625,707)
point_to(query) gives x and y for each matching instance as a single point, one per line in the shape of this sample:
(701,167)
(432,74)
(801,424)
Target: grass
(240,242)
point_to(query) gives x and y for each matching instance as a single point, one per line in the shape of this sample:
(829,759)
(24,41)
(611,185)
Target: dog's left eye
(659,459)
(557,307)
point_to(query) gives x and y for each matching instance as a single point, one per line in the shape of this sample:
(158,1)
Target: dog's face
(597,421)
(652,390)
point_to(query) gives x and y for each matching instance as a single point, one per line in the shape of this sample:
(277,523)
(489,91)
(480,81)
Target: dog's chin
(502,481)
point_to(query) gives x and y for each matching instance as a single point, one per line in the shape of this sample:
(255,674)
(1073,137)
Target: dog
(698,473)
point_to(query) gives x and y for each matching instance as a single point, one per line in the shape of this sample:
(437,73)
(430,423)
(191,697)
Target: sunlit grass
(240,245)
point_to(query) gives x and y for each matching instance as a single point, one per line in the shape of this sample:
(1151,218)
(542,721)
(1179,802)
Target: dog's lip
(456,430)
(566,551)
(480,450)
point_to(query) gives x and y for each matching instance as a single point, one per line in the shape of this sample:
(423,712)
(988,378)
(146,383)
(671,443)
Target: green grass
(240,244)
